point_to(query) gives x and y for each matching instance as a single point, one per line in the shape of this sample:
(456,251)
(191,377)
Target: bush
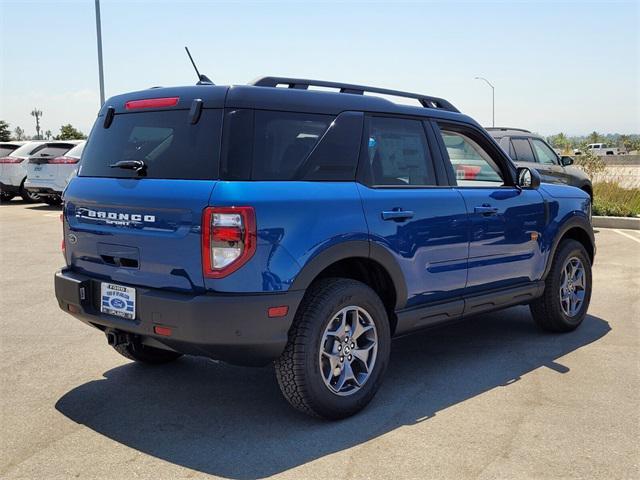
(611,199)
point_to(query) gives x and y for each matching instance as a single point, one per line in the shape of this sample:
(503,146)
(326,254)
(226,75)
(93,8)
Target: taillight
(11,160)
(152,103)
(228,239)
(63,160)
(63,246)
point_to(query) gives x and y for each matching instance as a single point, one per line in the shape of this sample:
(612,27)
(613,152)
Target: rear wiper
(138,165)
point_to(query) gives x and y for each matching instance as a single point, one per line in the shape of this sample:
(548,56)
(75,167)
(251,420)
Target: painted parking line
(625,234)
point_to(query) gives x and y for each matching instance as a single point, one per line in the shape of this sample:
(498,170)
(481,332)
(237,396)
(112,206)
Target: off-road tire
(297,369)
(547,311)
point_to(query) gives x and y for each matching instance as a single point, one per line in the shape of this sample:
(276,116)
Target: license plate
(118,300)
(38,168)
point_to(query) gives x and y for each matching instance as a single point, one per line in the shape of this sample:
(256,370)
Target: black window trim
(363,172)
(507,168)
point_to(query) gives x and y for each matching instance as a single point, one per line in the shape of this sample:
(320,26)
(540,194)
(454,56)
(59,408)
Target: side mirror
(528,178)
(566,161)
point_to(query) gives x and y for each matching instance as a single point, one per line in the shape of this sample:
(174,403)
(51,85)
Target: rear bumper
(231,328)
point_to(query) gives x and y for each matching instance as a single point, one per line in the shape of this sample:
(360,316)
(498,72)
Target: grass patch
(613,200)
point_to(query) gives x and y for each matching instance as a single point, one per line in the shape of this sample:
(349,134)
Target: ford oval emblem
(72,239)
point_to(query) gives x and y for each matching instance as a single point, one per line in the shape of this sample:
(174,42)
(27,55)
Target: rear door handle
(397,215)
(486,210)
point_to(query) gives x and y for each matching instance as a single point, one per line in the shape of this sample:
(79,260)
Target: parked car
(527,149)
(258,223)
(13,172)
(48,175)
(602,149)
(7,147)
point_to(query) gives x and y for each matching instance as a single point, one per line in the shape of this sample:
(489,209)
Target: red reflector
(278,311)
(152,103)
(164,331)
(227,234)
(73,308)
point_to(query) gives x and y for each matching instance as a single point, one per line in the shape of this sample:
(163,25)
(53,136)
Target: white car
(48,176)
(13,172)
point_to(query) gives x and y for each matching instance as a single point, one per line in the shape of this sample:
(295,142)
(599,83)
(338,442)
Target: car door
(424,226)
(505,220)
(549,161)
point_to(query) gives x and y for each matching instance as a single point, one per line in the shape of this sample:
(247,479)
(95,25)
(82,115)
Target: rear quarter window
(169,145)
(273,145)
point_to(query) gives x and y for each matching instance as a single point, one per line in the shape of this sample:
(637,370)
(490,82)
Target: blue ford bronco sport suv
(282,222)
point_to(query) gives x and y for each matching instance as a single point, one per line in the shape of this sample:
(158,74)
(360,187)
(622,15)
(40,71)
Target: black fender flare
(574,222)
(353,249)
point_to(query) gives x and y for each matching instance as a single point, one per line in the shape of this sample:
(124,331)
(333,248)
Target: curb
(629,223)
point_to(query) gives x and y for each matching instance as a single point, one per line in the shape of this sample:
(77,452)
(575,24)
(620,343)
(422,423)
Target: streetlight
(99,37)
(493,100)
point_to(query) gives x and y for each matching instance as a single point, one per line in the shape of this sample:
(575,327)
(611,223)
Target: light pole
(493,100)
(99,37)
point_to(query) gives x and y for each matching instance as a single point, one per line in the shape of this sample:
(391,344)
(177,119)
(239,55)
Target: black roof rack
(504,129)
(303,84)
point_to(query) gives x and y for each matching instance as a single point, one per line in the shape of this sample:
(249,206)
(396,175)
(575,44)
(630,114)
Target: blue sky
(556,66)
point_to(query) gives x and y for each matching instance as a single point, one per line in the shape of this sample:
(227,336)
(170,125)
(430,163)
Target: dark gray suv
(527,149)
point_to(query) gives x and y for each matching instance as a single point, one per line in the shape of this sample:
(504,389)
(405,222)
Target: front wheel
(567,291)
(338,350)
(54,201)
(6,197)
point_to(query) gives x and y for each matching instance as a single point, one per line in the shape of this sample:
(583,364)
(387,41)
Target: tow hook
(115,338)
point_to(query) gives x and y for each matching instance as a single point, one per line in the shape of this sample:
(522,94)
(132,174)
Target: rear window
(26,149)
(273,145)
(6,150)
(166,141)
(51,150)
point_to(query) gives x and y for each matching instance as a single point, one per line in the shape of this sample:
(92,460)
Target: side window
(398,153)
(523,150)
(283,140)
(543,152)
(512,151)
(271,145)
(472,164)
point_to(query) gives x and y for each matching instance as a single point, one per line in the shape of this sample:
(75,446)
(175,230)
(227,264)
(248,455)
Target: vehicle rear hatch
(39,168)
(142,227)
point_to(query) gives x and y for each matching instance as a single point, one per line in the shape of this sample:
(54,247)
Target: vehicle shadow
(46,208)
(232,421)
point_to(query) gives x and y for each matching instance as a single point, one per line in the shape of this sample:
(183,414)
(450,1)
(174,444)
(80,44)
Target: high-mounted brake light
(152,103)
(11,160)
(63,160)
(228,239)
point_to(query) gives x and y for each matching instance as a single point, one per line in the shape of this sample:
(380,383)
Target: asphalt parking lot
(490,397)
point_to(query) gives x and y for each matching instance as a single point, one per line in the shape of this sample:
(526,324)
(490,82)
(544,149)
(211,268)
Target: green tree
(595,137)
(18,134)
(561,142)
(48,134)
(5,133)
(68,132)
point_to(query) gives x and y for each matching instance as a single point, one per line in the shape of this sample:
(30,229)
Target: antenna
(202,79)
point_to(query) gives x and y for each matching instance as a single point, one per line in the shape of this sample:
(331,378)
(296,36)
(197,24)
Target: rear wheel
(338,350)
(5,197)
(567,291)
(28,196)
(144,354)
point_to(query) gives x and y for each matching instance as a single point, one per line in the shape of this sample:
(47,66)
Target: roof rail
(303,84)
(508,128)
